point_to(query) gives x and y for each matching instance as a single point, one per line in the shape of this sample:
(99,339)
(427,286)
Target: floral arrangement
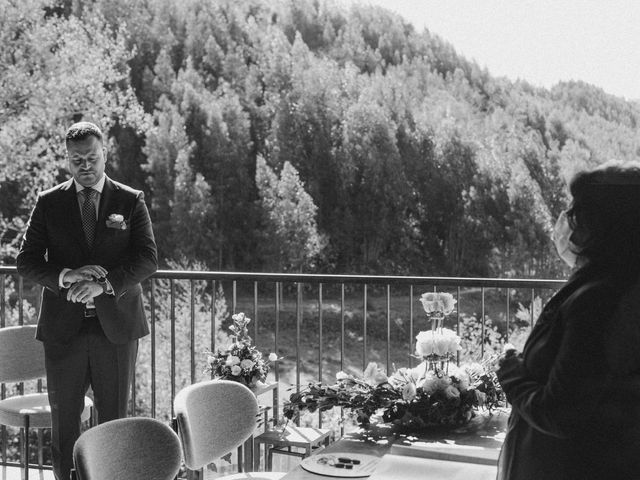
(434,393)
(240,361)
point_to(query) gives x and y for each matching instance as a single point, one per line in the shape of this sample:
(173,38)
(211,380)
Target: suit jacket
(575,390)
(55,239)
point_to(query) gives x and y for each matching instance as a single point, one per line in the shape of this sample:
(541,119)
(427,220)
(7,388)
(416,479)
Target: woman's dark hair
(605,215)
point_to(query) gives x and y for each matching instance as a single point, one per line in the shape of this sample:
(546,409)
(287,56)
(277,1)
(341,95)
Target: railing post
(298,331)
(192,330)
(342,326)
(482,334)
(172,316)
(276,349)
(410,326)
(3,302)
(364,328)
(234,297)
(388,329)
(533,304)
(320,332)
(3,392)
(320,345)
(214,293)
(152,306)
(458,321)
(255,311)
(508,315)
(20,300)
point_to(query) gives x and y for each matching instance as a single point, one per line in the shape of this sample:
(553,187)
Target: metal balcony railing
(317,324)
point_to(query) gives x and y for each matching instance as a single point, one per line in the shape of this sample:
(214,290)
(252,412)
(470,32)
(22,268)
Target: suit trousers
(89,360)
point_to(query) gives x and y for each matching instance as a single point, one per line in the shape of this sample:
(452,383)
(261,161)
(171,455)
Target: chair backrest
(21,355)
(134,447)
(214,417)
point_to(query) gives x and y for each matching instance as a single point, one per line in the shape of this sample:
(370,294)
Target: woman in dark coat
(575,388)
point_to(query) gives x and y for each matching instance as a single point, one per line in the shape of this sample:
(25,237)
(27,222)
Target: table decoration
(435,394)
(240,361)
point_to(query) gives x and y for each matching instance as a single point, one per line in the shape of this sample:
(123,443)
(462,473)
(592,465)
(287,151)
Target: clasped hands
(84,284)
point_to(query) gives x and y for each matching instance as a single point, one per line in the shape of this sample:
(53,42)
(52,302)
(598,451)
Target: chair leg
(269,465)
(256,455)
(25,448)
(40,449)
(240,459)
(248,454)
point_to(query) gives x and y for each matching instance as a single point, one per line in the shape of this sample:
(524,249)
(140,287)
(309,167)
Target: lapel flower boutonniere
(116,221)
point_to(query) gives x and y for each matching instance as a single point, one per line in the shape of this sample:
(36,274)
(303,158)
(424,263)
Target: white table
(470,452)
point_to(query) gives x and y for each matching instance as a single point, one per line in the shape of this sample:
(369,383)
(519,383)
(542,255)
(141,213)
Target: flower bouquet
(240,361)
(436,393)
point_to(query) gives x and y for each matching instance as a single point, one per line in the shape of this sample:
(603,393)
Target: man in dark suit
(89,243)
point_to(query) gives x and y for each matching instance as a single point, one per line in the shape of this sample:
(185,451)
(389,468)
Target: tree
(292,240)
(193,213)
(166,142)
(54,71)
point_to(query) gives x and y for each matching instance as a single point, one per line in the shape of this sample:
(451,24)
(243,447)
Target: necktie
(89,218)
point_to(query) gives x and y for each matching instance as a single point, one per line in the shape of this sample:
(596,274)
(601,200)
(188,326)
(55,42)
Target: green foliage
(292,237)
(53,71)
(474,336)
(417,160)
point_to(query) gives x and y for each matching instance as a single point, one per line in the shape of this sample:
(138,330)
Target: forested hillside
(299,135)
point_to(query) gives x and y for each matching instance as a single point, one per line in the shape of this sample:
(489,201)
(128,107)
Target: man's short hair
(82,130)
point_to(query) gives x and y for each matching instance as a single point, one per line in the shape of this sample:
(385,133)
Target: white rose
(273,357)
(247,364)
(432,383)
(433,302)
(241,319)
(448,302)
(236,370)
(424,344)
(429,384)
(452,392)
(409,392)
(427,300)
(232,360)
(374,375)
(461,377)
(440,342)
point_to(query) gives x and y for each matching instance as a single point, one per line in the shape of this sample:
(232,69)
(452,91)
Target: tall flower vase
(438,345)
(436,320)
(438,363)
